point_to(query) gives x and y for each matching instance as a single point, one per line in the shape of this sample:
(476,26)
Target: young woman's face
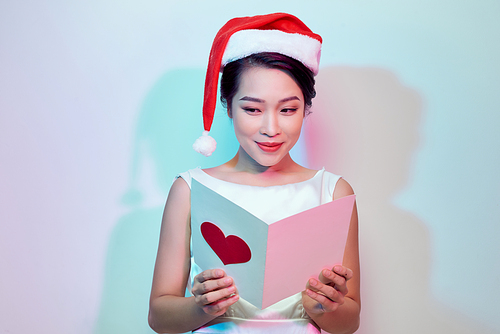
(267,113)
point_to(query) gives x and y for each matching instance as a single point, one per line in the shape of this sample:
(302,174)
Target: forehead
(268,80)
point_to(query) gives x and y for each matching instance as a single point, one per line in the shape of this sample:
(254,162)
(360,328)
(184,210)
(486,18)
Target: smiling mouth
(269,147)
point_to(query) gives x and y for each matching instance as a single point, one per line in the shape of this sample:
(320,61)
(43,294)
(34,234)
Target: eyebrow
(254,99)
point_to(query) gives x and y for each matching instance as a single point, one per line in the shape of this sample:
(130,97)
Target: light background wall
(101,100)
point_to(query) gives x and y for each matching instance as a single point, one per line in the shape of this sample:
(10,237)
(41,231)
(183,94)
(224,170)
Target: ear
(229,113)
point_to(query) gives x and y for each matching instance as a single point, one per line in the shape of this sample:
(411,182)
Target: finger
(221,306)
(204,281)
(343,271)
(214,296)
(209,275)
(333,279)
(327,291)
(342,289)
(324,303)
(211,285)
(329,277)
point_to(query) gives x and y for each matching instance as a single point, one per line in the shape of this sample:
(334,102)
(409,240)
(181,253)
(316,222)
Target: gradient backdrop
(100,102)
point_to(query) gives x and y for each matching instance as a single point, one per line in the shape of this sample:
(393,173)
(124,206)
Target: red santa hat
(244,36)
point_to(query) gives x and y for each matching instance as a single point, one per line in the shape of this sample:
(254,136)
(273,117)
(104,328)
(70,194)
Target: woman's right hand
(214,292)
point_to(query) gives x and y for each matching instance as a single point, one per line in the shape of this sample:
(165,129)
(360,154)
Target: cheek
(242,127)
(295,127)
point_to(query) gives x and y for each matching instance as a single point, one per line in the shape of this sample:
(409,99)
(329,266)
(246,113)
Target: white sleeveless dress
(288,315)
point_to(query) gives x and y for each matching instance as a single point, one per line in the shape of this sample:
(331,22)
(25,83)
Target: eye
(288,111)
(251,111)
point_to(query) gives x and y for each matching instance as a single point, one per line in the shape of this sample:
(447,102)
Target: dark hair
(231,75)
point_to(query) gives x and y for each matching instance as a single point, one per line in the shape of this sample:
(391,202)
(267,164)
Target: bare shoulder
(179,192)
(180,185)
(342,189)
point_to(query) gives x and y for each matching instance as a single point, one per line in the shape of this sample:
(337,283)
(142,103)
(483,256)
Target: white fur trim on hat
(205,144)
(303,48)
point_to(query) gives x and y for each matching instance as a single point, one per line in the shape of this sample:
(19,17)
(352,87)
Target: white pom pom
(205,144)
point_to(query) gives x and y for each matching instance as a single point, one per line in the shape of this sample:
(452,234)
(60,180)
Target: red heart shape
(230,249)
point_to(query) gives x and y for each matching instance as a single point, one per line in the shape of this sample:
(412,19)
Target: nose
(270,124)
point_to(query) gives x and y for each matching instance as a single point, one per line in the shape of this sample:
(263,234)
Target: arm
(169,310)
(333,300)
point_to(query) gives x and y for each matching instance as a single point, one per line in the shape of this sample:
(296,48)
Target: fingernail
(231,289)
(218,273)
(313,282)
(227,280)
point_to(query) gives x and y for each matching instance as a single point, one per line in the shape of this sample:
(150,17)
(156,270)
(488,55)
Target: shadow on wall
(365,126)
(169,121)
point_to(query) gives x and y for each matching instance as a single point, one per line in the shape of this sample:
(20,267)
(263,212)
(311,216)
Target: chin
(265,159)
(269,161)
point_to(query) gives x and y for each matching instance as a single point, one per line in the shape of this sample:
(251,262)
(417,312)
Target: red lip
(269,147)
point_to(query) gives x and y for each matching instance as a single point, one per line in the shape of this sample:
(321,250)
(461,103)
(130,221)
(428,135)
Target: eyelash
(286,110)
(251,110)
(289,110)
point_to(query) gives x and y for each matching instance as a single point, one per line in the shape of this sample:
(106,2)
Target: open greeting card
(268,262)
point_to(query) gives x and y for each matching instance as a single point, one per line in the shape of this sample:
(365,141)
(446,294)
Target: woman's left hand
(326,293)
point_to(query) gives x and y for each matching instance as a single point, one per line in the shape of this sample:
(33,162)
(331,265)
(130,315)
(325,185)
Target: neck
(242,162)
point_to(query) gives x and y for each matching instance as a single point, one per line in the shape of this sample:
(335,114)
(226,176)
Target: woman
(267,90)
